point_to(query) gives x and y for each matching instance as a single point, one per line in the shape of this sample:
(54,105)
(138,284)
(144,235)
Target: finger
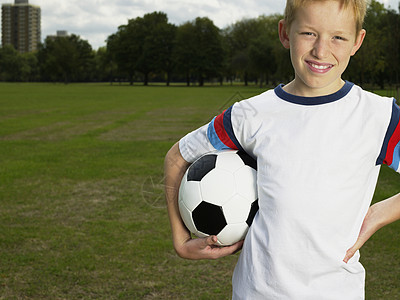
(350,253)
(238,246)
(228,250)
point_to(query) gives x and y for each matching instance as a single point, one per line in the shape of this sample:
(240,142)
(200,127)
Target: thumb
(368,228)
(350,253)
(211,240)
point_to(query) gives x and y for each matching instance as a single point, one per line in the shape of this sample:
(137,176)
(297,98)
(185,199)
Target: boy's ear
(284,34)
(359,41)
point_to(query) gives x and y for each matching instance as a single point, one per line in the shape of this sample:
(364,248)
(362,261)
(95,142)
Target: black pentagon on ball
(201,167)
(209,218)
(252,214)
(248,160)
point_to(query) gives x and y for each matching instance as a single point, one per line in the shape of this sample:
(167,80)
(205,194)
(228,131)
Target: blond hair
(359,7)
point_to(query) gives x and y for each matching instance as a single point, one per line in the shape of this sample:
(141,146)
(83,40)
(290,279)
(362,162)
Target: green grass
(82,214)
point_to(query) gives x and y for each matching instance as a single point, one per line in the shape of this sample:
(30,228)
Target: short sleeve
(216,135)
(390,153)
(220,132)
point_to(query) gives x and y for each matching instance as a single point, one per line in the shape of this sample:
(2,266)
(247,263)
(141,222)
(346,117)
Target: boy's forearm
(388,210)
(380,214)
(174,169)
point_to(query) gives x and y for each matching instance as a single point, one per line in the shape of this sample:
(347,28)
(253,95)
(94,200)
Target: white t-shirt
(318,163)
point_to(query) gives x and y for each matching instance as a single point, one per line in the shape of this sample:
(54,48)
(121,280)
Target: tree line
(149,49)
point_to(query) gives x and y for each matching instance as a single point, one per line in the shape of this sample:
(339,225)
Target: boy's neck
(305,91)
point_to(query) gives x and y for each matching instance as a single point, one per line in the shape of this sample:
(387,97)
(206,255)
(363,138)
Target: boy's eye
(340,38)
(307,33)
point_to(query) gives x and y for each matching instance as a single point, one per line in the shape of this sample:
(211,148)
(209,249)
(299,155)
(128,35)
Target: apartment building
(21,25)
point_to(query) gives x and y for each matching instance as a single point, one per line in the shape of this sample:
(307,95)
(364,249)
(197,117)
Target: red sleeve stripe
(394,140)
(390,154)
(222,132)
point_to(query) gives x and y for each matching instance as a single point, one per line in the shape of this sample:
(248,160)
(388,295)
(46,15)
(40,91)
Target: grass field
(82,214)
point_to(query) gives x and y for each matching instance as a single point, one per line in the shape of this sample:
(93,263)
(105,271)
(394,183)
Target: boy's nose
(321,49)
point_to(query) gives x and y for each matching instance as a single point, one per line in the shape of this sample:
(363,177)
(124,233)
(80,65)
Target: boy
(319,142)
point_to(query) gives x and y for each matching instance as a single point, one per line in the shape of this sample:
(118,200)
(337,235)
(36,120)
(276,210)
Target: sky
(95,20)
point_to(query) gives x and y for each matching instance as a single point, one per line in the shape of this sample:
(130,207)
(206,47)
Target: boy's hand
(378,215)
(368,228)
(206,248)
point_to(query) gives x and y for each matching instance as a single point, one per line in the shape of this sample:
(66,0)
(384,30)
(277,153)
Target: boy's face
(321,39)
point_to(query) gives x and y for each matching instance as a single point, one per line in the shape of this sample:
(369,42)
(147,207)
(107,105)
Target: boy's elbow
(172,153)
(175,158)
(180,253)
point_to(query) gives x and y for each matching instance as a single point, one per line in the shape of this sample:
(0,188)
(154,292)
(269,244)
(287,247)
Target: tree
(264,50)
(30,67)
(66,59)
(368,64)
(239,37)
(15,66)
(261,58)
(11,64)
(106,68)
(143,45)
(120,52)
(199,50)
(156,54)
(158,47)
(209,51)
(392,47)
(185,49)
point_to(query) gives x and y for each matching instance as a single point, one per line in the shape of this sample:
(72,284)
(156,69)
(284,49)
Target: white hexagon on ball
(187,217)
(246,179)
(228,162)
(237,209)
(232,232)
(192,194)
(217,187)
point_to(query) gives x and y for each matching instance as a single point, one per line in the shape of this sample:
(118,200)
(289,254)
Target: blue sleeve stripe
(213,137)
(396,158)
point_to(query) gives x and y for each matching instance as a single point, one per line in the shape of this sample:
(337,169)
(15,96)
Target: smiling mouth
(319,68)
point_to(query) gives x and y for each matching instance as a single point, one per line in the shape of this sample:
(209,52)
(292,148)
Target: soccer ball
(218,195)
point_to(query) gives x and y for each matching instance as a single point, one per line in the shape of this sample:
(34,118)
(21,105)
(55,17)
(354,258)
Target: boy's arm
(379,215)
(186,247)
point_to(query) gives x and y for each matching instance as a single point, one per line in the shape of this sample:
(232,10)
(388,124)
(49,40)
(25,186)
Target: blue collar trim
(314,100)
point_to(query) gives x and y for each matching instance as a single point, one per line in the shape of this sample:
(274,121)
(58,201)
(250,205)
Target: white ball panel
(246,180)
(229,161)
(190,194)
(236,210)
(200,234)
(232,234)
(217,187)
(186,215)
(182,186)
